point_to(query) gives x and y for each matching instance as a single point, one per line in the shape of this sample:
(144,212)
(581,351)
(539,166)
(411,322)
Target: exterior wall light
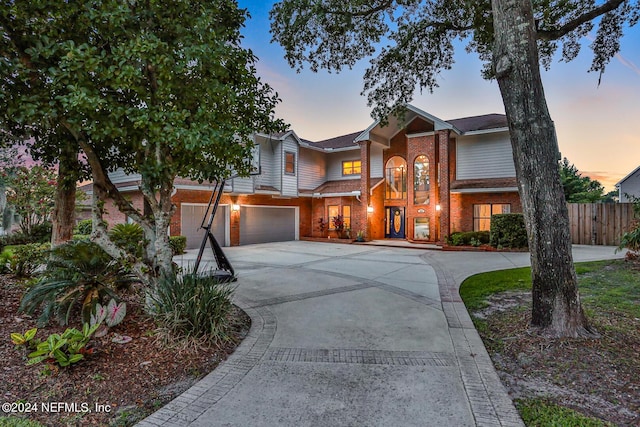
(235,207)
(438,207)
(369,209)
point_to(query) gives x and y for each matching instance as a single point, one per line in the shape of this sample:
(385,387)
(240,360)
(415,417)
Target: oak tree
(514,38)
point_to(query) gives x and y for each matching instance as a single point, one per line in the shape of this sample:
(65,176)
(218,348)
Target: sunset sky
(598,126)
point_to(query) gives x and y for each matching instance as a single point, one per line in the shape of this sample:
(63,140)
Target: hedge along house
(419,179)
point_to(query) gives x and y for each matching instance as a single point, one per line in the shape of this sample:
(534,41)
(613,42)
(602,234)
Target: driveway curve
(353,335)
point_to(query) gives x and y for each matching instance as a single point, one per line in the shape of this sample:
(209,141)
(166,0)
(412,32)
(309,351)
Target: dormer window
(289,163)
(351,167)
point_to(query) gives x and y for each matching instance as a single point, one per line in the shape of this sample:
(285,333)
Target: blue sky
(598,126)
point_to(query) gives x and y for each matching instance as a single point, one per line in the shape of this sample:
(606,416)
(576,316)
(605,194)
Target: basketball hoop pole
(225,270)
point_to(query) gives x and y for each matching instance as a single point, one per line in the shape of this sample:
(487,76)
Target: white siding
(290,182)
(267,157)
(119,176)
(376,166)
(334,164)
(312,169)
(484,156)
(630,186)
(243,185)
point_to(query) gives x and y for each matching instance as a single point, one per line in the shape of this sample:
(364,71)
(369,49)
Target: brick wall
(462,207)
(114,216)
(194,196)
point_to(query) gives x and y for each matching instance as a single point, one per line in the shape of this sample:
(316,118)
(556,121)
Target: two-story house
(421,179)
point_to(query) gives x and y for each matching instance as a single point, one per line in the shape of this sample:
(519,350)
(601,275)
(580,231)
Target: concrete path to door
(354,335)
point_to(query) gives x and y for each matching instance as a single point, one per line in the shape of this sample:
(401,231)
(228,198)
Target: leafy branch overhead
(420,36)
(157,89)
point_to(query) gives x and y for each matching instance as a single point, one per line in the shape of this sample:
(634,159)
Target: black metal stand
(225,271)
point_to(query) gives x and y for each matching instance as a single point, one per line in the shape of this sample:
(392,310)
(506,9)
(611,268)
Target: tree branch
(363,13)
(101,180)
(575,23)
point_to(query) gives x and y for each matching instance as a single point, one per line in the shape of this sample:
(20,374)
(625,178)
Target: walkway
(353,335)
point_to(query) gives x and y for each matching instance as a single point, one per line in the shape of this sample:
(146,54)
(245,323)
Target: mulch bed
(131,380)
(597,377)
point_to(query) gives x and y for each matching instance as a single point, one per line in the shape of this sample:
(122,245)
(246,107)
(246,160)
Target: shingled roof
(344,141)
(484,122)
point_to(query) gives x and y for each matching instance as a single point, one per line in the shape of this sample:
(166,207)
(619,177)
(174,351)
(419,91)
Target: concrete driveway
(353,335)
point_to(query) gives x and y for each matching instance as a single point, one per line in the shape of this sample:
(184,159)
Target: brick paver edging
(489,400)
(196,400)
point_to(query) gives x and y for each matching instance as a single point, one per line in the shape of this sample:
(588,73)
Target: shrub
(631,241)
(178,244)
(24,260)
(41,233)
(64,349)
(128,237)
(78,273)
(16,239)
(192,306)
(474,238)
(508,231)
(83,227)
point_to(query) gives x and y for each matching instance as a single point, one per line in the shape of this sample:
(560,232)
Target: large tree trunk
(63,219)
(556,302)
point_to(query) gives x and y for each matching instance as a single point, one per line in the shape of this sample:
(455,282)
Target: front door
(395,222)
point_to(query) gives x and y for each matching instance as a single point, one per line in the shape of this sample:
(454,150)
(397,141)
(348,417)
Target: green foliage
(508,231)
(158,89)
(578,188)
(191,306)
(18,422)
(475,289)
(543,413)
(466,238)
(112,314)
(24,260)
(83,227)
(78,273)
(62,349)
(630,240)
(420,39)
(19,339)
(128,237)
(178,244)
(31,191)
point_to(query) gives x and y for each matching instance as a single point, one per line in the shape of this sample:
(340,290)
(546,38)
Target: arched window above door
(421,180)
(396,178)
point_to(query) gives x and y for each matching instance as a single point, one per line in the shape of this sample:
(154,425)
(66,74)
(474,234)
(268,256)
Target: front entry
(394,228)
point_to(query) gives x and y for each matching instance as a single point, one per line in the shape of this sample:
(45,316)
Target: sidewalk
(350,335)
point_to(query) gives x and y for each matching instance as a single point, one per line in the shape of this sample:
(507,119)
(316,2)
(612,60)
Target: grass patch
(542,413)
(18,422)
(605,368)
(475,289)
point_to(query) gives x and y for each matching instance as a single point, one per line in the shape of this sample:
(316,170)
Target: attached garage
(192,215)
(263,224)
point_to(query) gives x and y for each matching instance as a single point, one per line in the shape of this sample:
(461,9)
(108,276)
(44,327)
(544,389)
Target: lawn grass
(475,289)
(610,295)
(542,413)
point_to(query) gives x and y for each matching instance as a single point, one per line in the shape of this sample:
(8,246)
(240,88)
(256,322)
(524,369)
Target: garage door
(263,224)
(192,218)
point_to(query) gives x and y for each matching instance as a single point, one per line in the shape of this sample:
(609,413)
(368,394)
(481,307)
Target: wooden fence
(599,223)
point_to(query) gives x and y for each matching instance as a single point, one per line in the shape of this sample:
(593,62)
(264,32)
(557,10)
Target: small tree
(31,192)
(157,89)
(578,188)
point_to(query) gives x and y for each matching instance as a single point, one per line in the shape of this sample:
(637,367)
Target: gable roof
(343,141)
(476,123)
(632,173)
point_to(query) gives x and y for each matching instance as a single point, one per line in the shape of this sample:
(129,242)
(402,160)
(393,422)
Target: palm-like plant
(79,272)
